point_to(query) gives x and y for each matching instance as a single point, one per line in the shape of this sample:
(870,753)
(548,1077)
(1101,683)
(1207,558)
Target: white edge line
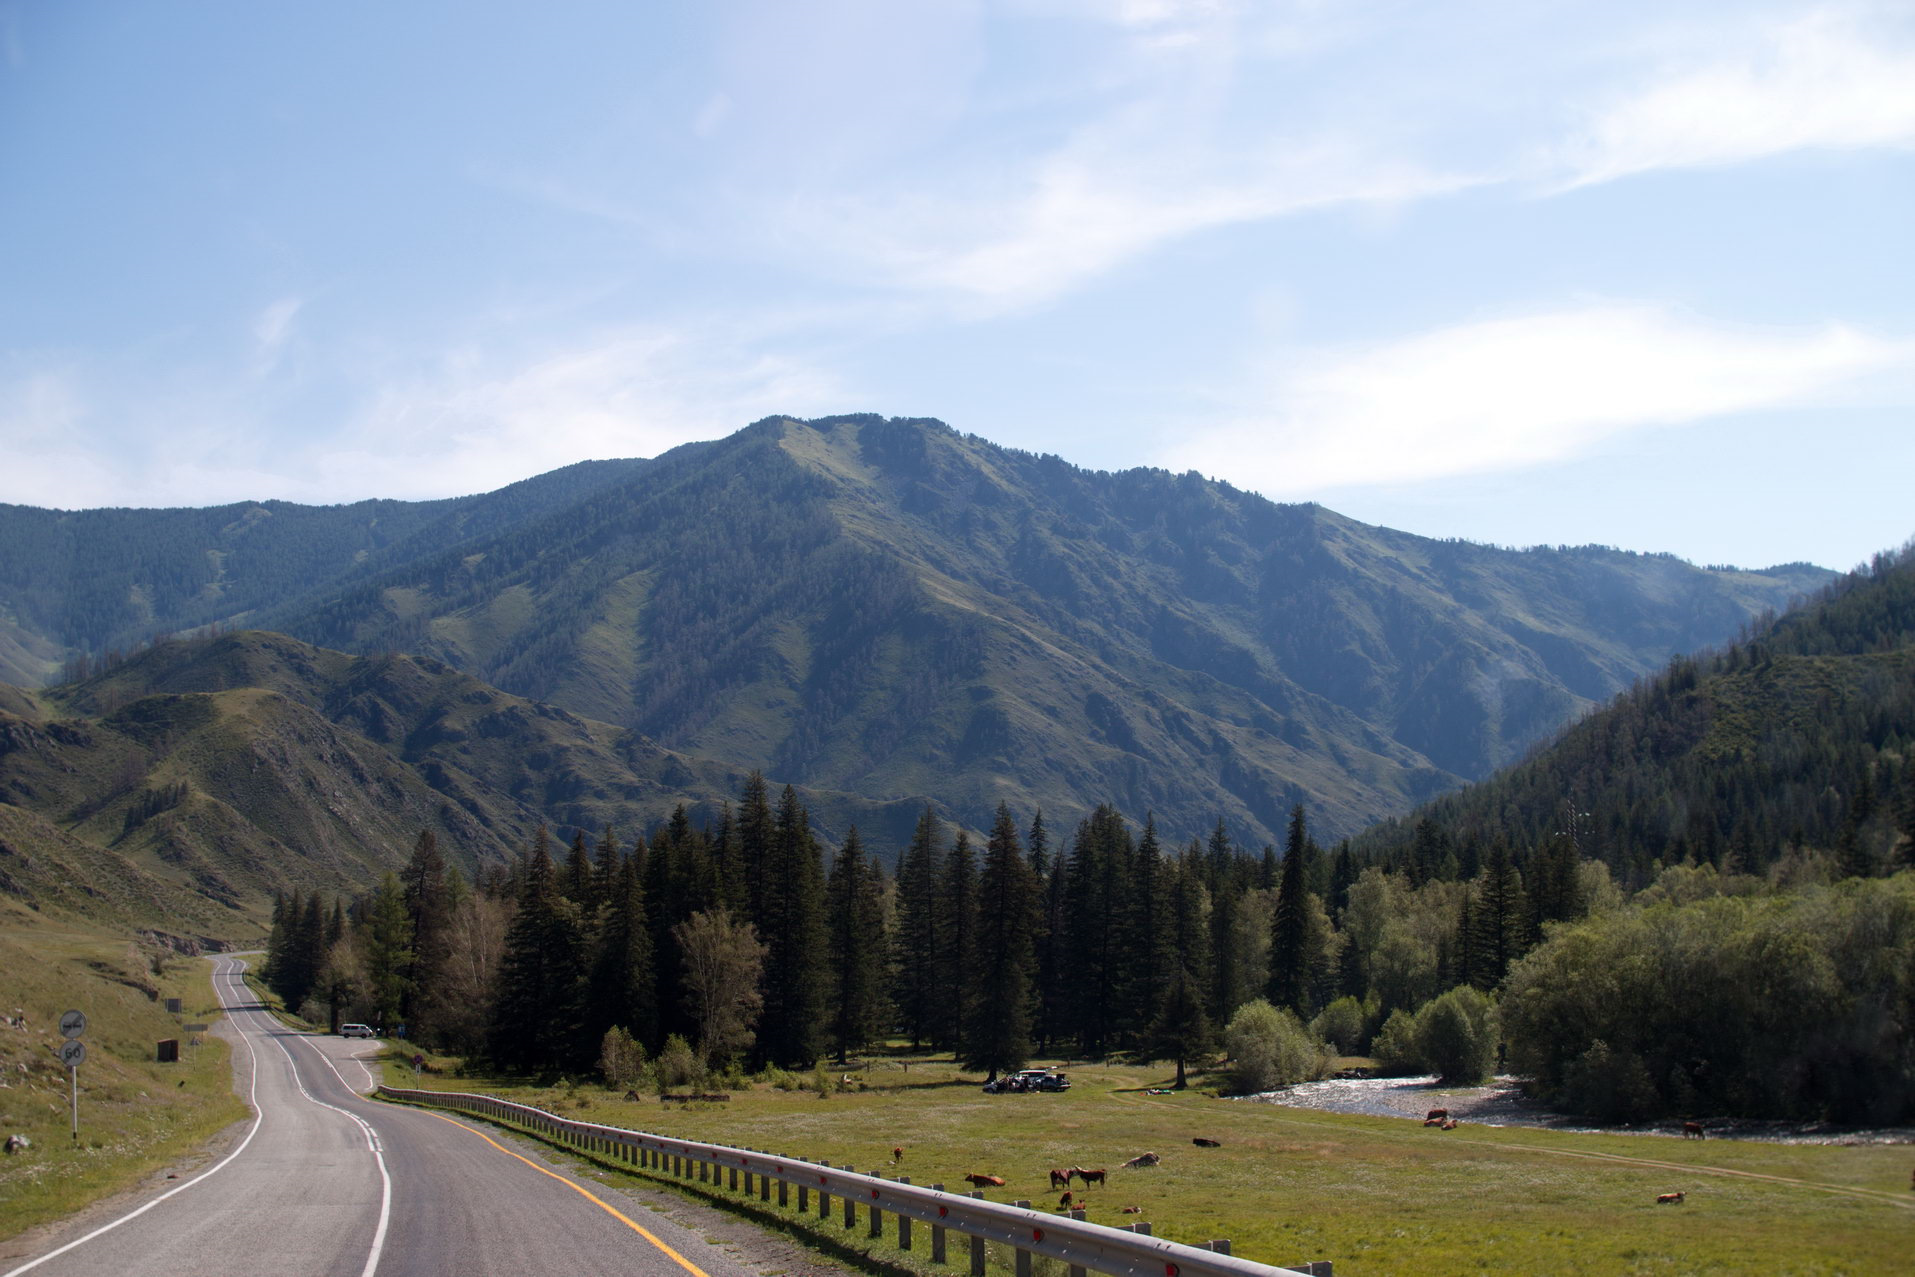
(252,1098)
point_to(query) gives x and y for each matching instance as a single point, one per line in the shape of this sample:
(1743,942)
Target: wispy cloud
(1508,393)
(1835,78)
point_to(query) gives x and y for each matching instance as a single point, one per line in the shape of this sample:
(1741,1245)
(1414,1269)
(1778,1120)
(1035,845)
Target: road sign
(73,1053)
(72,1024)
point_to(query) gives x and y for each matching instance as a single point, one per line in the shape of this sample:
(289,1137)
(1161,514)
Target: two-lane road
(325,1182)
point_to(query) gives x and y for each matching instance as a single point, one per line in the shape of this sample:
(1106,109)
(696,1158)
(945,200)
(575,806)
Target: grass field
(136,1116)
(1375,1195)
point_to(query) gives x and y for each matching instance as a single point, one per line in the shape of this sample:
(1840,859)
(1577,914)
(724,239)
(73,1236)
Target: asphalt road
(327,1182)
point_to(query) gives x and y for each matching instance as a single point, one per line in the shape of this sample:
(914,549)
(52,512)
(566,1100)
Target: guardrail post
(824,1198)
(977,1248)
(1020,1257)
(1220,1245)
(764,1189)
(1077,1270)
(904,1221)
(937,1234)
(877,1216)
(734,1180)
(850,1206)
(804,1193)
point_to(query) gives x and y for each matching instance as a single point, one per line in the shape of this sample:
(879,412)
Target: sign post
(73,1054)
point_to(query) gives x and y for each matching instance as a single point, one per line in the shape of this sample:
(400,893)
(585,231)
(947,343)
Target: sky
(1636,274)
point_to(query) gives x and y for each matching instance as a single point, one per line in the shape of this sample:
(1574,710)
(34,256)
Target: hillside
(197,778)
(1801,735)
(894,609)
(890,609)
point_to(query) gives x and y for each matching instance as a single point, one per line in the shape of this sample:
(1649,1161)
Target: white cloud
(1834,79)
(1508,393)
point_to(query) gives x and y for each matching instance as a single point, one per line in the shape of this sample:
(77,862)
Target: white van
(355,1030)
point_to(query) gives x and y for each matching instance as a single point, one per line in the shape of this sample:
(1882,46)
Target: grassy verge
(1376,1195)
(136,1116)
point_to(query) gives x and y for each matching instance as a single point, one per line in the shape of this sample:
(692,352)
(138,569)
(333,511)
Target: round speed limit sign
(73,1053)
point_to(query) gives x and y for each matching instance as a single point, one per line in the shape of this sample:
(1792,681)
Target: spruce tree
(429,916)
(1291,976)
(622,992)
(916,985)
(385,943)
(857,946)
(999,1002)
(1100,865)
(956,942)
(792,927)
(538,1016)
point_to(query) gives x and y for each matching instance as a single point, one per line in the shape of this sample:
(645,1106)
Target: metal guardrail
(1081,1245)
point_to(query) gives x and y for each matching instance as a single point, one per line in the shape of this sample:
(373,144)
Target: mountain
(890,609)
(208,774)
(1801,735)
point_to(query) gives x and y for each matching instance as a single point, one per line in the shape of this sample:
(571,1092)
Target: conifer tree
(1181,1030)
(999,1003)
(792,927)
(538,1018)
(1100,864)
(1149,965)
(956,942)
(1226,981)
(1291,975)
(622,992)
(745,864)
(385,942)
(920,930)
(576,882)
(858,942)
(429,915)
(1053,954)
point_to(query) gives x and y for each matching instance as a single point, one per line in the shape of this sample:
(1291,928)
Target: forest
(1754,957)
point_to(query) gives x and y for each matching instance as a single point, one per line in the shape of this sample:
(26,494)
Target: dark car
(1054,1082)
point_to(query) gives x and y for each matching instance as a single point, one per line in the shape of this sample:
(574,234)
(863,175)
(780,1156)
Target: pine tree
(576,883)
(999,1002)
(1100,864)
(858,942)
(1180,1030)
(1226,980)
(1150,966)
(385,941)
(1053,954)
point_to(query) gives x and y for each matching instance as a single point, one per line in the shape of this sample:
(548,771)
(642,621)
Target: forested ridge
(888,608)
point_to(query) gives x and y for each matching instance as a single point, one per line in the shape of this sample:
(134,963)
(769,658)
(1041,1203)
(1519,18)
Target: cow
(984,1181)
(1133,1210)
(18,1144)
(897,1155)
(1064,1202)
(1201,1142)
(1449,1124)
(1669,1199)
(1089,1177)
(1693,1131)
(1434,1116)
(1143,1159)
(1060,1179)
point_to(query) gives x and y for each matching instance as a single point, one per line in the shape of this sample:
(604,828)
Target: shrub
(1397,1051)
(1270,1048)
(1341,1025)
(1456,1035)
(1610,1085)
(678,1065)
(621,1060)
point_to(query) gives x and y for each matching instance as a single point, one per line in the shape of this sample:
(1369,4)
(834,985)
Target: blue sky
(1636,274)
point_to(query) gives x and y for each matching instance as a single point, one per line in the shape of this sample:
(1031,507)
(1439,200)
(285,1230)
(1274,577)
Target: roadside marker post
(73,1054)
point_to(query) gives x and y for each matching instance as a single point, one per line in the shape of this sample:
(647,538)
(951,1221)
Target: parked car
(355,1031)
(1054,1082)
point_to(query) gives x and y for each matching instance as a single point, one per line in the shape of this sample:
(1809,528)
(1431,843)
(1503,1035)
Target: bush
(678,1066)
(1398,1050)
(1269,1048)
(621,1060)
(1341,1025)
(1456,1035)
(1610,1086)
(775,1077)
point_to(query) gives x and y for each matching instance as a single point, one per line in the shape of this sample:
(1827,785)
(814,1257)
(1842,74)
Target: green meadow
(1374,1195)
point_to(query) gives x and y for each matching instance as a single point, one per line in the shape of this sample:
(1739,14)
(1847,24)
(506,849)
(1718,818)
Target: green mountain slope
(1802,735)
(221,770)
(890,608)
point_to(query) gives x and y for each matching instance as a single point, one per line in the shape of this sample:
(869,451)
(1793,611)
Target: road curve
(325,1182)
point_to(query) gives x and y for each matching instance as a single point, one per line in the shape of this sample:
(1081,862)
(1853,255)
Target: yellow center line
(586,1193)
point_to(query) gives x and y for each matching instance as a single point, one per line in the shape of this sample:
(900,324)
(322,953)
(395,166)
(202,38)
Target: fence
(1083,1246)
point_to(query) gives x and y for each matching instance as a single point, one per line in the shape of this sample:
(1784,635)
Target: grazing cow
(1693,1131)
(1436,1115)
(1060,1179)
(1064,1202)
(897,1155)
(1143,1159)
(1200,1142)
(18,1144)
(984,1181)
(1669,1199)
(1089,1177)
